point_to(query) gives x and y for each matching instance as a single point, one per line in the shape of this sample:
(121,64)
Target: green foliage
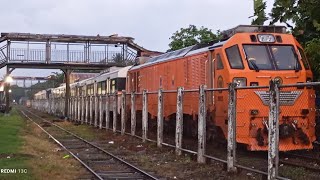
(259,12)
(190,36)
(54,81)
(304,14)
(312,50)
(17,92)
(120,60)
(304,19)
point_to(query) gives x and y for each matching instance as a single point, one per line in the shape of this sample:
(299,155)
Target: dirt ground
(163,162)
(159,161)
(46,158)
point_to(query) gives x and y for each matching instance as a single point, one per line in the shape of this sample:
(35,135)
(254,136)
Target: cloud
(150,22)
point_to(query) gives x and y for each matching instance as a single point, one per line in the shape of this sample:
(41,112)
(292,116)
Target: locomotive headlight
(304,111)
(240,82)
(279,80)
(266,38)
(254,111)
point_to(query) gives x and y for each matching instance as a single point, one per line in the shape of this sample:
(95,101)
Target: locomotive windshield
(271,57)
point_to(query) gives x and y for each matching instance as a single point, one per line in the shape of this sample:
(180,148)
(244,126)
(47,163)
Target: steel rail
(97,147)
(59,143)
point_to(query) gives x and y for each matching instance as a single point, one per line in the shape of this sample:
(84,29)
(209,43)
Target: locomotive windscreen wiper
(251,62)
(254,65)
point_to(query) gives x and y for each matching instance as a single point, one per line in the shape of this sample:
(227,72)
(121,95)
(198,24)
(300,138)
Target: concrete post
(160,119)
(87,109)
(96,111)
(69,107)
(79,108)
(53,106)
(179,121)
(202,125)
(67,96)
(83,106)
(144,115)
(107,111)
(231,157)
(73,108)
(133,114)
(100,112)
(115,111)
(123,112)
(90,111)
(273,133)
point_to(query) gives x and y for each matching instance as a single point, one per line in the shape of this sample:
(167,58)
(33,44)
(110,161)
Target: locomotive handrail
(191,90)
(300,84)
(216,89)
(169,91)
(251,87)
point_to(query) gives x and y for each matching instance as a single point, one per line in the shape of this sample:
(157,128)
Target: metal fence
(182,118)
(70,56)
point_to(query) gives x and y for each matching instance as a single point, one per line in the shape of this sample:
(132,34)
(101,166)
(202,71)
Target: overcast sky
(150,22)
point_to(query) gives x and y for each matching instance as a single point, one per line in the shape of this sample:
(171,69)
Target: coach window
(113,85)
(91,89)
(99,88)
(108,85)
(219,62)
(103,87)
(234,57)
(83,90)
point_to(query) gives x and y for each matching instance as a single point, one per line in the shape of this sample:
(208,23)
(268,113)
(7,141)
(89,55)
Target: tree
(300,15)
(190,36)
(259,12)
(120,60)
(303,18)
(17,92)
(313,53)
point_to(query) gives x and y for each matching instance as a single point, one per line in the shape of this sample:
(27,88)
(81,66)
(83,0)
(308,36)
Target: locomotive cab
(252,56)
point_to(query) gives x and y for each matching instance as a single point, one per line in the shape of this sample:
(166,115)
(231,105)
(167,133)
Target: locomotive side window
(219,62)
(304,59)
(234,57)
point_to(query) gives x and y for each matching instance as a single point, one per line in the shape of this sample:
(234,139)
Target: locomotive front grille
(287,98)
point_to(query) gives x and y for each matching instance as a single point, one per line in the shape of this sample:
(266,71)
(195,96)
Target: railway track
(301,159)
(284,158)
(101,163)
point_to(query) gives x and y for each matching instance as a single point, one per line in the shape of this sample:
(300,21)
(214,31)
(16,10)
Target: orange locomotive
(248,56)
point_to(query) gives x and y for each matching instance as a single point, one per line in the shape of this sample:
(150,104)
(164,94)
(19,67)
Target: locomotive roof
(199,48)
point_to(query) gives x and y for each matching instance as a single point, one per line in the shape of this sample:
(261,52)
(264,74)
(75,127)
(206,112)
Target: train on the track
(247,56)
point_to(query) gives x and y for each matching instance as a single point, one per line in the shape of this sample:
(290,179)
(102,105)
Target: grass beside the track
(10,146)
